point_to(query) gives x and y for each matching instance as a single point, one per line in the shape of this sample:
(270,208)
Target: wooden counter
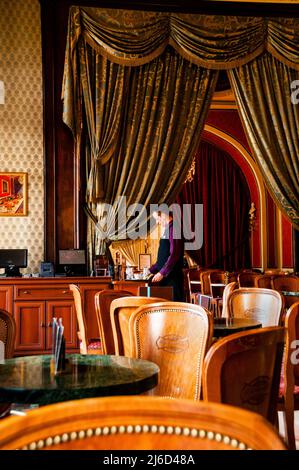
(35,301)
(130,286)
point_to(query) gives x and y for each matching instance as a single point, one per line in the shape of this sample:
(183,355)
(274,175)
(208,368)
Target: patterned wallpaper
(21,125)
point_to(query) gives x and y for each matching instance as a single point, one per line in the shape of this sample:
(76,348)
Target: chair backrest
(205,281)
(292,343)
(82,333)
(174,335)
(120,312)
(194,283)
(136,422)
(286,283)
(103,301)
(247,279)
(227,290)
(7,333)
(290,371)
(264,281)
(217,277)
(243,370)
(263,305)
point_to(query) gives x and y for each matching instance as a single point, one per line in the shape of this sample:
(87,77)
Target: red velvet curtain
(221,187)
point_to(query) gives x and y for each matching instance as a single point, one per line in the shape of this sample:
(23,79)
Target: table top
(290,293)
(31,379)
(225,327)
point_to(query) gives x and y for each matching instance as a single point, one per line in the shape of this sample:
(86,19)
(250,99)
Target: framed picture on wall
(13,194)
(144,261)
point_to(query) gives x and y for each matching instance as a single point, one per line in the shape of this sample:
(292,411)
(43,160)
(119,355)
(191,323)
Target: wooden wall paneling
(6,298)
(30,326)
(66,310)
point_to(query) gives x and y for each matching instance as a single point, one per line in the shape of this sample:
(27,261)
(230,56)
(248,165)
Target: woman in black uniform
(168,269)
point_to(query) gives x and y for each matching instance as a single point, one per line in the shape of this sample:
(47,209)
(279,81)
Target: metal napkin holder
(58,349)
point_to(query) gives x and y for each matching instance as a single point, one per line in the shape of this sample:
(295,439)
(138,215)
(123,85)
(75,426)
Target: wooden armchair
(120,312)
(205,281)
(194,284)
(87,345)
(289,383)
(264,281)
(176,336)
(226,293)
(248,279)
(103,300)
(7,338)
(263,305)
(288,283)
(134,422)
(7,333)
(217,281)
(243,370)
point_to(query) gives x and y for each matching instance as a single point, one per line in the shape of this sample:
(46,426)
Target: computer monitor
(12,260)
(72,262)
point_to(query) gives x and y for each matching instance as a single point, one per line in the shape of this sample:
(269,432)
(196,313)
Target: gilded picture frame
(144,261)
(13,194)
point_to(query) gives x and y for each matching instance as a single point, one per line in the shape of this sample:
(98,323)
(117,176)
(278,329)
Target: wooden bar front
(35,301)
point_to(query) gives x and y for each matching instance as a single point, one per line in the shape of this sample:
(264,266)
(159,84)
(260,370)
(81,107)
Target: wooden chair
(120,312)
(176,336)
(217,281)
(7,337)
(227,290)
(87,345)
(243,370)
(248,279)
(194,284)
(205,298)
(263,305)
(103,300)
(264,281)
(289,383)
(7,333)
(205,281)
(288,283)
(134,422)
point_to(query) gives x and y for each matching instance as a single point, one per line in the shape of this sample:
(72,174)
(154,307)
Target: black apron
(176,277)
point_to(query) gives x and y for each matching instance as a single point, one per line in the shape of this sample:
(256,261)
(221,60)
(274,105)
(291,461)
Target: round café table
(31,379)
(225,326)
(290,293)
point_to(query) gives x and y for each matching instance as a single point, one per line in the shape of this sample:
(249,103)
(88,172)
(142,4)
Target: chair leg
(288,417)
(5,410)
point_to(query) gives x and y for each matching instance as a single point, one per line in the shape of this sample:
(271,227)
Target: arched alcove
(219,184)
(255,184)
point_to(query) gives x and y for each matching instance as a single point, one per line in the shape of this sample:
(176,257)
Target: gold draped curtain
(263,93)
(158,124)
(131,249)
(145,102)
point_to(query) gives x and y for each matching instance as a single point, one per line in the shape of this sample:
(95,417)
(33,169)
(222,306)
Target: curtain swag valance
(212,41)
(135,38)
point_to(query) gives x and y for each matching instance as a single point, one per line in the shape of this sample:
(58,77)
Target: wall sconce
(191,172)
(252,217)
(2,94)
